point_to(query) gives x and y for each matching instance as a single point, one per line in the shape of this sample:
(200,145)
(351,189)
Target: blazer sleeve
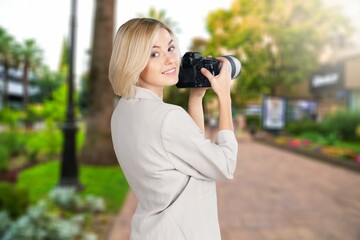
(191,153)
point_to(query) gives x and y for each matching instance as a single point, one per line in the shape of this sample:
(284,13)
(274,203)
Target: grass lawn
(107,182)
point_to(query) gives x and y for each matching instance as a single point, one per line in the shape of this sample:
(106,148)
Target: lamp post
(69,166)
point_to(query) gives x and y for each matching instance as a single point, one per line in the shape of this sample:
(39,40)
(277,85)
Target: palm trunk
(6,84)
(25,86)
(98,148)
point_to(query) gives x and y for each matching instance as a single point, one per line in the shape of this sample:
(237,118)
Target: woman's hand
(221,84)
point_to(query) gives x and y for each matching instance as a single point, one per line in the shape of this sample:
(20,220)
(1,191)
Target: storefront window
(354,101)
(301,110)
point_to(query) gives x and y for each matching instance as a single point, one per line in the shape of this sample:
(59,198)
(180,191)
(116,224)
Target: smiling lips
(170,71)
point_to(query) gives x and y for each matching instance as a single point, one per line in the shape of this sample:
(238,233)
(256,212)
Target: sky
(48,22)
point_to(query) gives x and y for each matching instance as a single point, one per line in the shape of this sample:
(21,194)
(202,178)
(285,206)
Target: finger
(225,68)
(206,73)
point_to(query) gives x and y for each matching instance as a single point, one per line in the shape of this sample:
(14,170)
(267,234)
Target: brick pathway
(277,195)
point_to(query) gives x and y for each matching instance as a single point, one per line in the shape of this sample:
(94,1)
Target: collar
(145,94)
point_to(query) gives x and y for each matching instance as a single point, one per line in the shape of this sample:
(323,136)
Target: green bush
(13,141)
(343,124)
(45,143)
(299,127)
(322,139)
(312,136)
(9,117)
(63,214)
(4,158)
(253,120)
(33,113)
(5,222)
(13,200)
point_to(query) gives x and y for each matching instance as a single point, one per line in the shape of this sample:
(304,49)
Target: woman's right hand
(221,84)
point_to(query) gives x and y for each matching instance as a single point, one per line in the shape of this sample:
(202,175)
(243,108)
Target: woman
(161,148)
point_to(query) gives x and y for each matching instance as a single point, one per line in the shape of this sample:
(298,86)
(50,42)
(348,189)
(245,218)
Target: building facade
(15,87)
(336,86)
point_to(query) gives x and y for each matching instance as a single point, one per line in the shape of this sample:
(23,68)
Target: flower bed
(306,144)
(333,154)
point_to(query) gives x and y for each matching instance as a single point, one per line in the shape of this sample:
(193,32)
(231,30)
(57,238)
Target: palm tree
(161,15)
(98,148)
(6,46)
(31,56)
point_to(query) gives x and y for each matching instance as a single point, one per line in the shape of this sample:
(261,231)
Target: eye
(171,48)
(154,54)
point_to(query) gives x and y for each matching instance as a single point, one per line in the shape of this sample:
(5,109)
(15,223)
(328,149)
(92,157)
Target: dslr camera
(190,75)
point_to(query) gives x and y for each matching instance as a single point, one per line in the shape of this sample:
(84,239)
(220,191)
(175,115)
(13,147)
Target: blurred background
(299,87)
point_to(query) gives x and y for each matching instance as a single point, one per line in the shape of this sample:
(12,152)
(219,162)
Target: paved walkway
(277,195)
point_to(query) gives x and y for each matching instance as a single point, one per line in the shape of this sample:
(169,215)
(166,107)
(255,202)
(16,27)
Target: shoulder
(175,112)
(178,120)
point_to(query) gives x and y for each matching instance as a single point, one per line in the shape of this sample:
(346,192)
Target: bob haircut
(131,52)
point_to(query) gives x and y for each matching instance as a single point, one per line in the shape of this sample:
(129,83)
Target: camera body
(190,75)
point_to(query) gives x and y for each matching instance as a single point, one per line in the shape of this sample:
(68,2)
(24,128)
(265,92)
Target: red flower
(294,143)
(358,159)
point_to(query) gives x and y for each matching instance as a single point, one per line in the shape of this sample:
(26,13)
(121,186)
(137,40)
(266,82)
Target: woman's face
(162,68)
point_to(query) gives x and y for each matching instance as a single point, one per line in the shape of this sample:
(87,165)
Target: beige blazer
(171,168)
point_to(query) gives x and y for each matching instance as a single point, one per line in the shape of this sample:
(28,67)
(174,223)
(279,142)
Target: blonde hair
(130,54)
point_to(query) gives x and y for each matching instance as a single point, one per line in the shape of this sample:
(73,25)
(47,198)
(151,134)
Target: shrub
(13,141)
(343,123)
(9,117)
(323,139)
(5,222)
(45,143)
(33,113)
(4,158)
(253,120)
(51,218)
(313,136)
(298,127)
(67,199)
(13,200)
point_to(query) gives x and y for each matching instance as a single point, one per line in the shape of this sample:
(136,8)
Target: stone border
(313,155)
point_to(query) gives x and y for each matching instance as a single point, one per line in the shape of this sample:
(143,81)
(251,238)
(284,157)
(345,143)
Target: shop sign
(325,80)
(330,77)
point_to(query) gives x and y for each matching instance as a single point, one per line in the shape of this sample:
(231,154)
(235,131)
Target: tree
(64,58)
(31,57)
(198,44)
(7,44)
(84,93)
(46,83)
(98,148)
(277,41)
(161,16)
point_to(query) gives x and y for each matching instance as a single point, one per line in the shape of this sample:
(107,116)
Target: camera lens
(235,65)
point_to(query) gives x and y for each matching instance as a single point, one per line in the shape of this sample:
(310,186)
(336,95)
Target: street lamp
(69,167)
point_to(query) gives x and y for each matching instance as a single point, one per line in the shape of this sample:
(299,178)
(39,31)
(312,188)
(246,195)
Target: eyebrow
(171,41)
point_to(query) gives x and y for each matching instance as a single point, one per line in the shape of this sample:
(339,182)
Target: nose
(170,58)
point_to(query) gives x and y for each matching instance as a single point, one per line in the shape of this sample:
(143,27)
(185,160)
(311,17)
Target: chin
(173,81)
